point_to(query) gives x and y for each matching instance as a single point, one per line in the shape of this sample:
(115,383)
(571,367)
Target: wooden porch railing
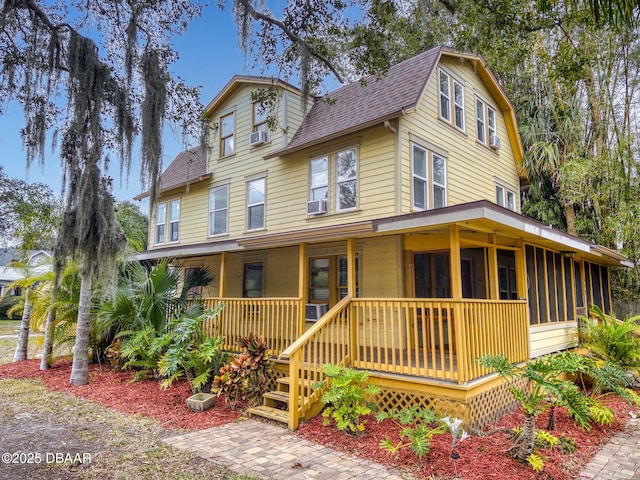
(328,341)
(278,319)
(437,338)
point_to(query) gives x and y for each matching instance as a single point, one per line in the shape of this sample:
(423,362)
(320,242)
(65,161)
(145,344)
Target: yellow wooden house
(380,230)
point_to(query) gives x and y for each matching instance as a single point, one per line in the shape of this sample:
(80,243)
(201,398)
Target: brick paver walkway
(270,451)
(619,459)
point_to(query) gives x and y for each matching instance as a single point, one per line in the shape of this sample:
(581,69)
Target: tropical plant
(141,351)
(245,377)
(612,340)
(537,385)
(191,353)
(417,427)
(348,397)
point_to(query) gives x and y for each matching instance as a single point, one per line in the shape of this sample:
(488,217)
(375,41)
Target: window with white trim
(218,210)
(319,179)
(505,197)
(227,135)
(260,116)
(451,111)
(347,180)
(428,165)
(485,122)
(255,204)
(161,222)
(174,220)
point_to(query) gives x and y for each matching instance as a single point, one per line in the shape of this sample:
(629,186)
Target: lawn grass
(9,338)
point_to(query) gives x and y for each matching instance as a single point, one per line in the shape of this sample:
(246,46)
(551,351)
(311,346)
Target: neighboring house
(9,273)
(381,230)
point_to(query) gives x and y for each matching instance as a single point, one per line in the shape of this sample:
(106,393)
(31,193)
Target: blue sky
(209,57)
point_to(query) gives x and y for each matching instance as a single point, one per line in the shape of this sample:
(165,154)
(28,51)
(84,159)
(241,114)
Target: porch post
(459,333)
(351,268)
(494,287)
(223,275)
(521,273)
(303,295)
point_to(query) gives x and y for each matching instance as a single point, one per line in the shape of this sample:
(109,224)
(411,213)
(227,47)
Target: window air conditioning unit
(495,142)
(316,207)
(258,138)
(314,311)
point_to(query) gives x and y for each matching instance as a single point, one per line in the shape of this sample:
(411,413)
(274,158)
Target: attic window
(227,131)
(260,115)
(451,111)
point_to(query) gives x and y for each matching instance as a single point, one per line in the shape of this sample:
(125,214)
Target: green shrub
(6,304)
(418,426)
(245,377)
(348,396)
(191,354)
(142,351)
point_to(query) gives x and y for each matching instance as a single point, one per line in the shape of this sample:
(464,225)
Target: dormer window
(227,133)
(451,109)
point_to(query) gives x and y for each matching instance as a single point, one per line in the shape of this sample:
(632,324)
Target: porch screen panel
(560,288)
(596,284)
(319,279)
(568,288)
(587,281)
(577,278)
(605,289)
(541,275)
(553,301)
(531,284)
(422,276)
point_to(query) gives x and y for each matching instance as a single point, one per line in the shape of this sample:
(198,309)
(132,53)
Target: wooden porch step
(280,396)
(270,413)
(286,381)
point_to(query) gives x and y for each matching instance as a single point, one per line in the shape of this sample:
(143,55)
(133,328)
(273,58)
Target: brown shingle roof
(188,167)
(360,104)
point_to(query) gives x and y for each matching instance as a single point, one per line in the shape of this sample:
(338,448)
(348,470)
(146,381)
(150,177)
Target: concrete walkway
(269,451)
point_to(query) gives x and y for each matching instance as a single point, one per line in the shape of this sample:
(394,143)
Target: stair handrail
(294,354)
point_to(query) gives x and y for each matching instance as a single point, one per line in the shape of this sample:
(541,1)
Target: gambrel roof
(377,99)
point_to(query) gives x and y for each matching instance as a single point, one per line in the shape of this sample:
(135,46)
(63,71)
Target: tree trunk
(23,338)
(528,439)
(47,350)
(80,366)
(570,217)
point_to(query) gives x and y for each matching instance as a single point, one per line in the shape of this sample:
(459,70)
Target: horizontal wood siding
(552,338)
(472,168)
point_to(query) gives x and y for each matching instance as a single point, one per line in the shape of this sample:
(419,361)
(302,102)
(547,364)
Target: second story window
(505,197)
(255,204)
(451,111)
(428,165)
(174,220)
(347,179)
(485,122)
(161,222)
(260,115)
(227,133)
(319,183)
(218,210)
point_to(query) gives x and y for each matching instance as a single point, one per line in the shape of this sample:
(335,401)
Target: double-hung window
(505,197)
(218,210)
(319,181)
(161,222)
(174,220)
(335,176)
(451,110)
(260,116)
(255,203)
(347,179)
(429,179)
(485,122)
(227,134)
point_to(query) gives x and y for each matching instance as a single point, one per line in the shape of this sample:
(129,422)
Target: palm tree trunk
(47,350)
(528,439)
(23,338)
(80,366)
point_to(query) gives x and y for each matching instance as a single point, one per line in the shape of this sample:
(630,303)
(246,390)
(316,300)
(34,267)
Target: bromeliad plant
(348,397)
(245,377)
(191,353)
(417,427)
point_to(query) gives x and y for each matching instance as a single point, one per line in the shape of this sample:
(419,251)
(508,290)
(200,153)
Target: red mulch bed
(115,389)
(481,458)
